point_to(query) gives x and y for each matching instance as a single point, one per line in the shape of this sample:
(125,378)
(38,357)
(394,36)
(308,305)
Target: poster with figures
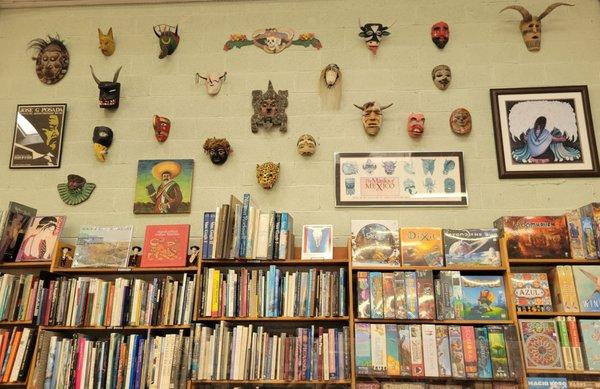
(400,179)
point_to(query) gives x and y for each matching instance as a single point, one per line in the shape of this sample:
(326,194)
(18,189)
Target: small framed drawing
(317,241)
(400,179)
(37,140)
(544,132)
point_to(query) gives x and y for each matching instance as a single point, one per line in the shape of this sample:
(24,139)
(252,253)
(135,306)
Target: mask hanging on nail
(107,42)
(440,34)
(441,76)
(373,34)
(217,149)
(306,145)
(76,190)
(330,85)
(372,116)
(212,81)
(416,125)
(162,128)
(168,39)
(52,59)
(110,91)
(460,121)
(102,138)
(267,174)
(269,109)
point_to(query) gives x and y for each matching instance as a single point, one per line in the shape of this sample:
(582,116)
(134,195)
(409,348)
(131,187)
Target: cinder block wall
(485,51)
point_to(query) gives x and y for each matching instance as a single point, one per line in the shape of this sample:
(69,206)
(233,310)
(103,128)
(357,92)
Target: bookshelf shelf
(553,314)
(112,329)
(24,265)
(16,323)
(287,262)
(273,319)
(551,262)
(477,269)
(273,382)
(125,270)
(562,372)
(432,321)
(375,378)
(12,384)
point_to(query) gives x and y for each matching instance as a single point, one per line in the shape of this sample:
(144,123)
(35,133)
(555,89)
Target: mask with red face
(440,34)
(416,125)
(162,127)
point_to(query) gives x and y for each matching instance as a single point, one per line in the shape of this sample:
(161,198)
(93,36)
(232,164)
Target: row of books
(16,349)
(88,301)
(560,383)
(429,350)
(112,361)
(17,301)
(425,385)
(418,295)
(561,343)
(273,293)
(240,230)
(253,353)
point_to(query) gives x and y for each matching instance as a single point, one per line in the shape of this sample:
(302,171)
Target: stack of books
(16,350)
(18,296)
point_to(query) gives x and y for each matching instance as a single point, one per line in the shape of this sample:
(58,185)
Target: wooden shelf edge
(125,328)
(434,321)
(485,269)
(562,372)
(273,382)
(552,314)
(24,265)
(287,262)
(272,319)
(16,323)
(551,261)
(124,270)
(426,378)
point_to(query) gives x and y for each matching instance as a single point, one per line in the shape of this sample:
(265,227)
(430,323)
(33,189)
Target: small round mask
(416,125)
(52,59)
(440,34)
(217,149)
(267,174)
(460,121)
(102,138)
(442,76)
(306,145)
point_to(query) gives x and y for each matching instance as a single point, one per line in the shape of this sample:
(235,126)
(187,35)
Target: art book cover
(472,247)
(589,240)
(165,245)
(540,344)
(103,246)
(422,246)
(317,241)
(16,222)
(41,238)
(575,233)
(375,242)
(531,292)
(483,297)
(535,236)
(547,383)
(587,281)
(590,337)
(362,344)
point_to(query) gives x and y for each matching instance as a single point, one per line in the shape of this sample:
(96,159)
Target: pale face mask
(213,82)
(442,76)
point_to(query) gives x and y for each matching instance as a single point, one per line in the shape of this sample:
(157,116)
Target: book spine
(211,235)
(565,346)
(575,343)
(484,362)
(270,236)
(417,367)
(276,233)
(470,350)
(244,226)
(284,234)
(430,362)
(205,235)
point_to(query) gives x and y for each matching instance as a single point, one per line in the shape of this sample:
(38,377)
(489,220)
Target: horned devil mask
(168,39)
(110,91)
(531,26)
(217,149)
(212,81)
(107,42)
(102,138)
(416,125)
(440,34)
(52,59)
(373,33)
(269,109)
(372,116)
(330,84)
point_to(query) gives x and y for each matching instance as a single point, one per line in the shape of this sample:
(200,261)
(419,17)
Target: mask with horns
(110,91)
(168,39)
(372,116)
(212,81)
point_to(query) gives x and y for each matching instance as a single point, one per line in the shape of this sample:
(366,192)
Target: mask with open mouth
(416,125)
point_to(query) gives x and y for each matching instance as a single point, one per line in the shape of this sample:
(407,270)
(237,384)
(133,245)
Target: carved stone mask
(52,60)
(306,145)
(162,128)
(440,34)
(531,25)
(267,174)
(110,91)
(373,33)
(213,82)
(107,42)
(442,76)
(168,39)
(76,190)
(217,149)
(269,109)
(416,125)
(372,116)
(102,138)
(460,121)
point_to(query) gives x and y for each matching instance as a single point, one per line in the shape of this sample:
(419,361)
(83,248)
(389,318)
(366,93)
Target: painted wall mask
(442,76)
(102,138)
(440,34)
(372,116)
(307,145)
(416,125)
(168,39)
(330,85)
(217,149)
(162,128)
(52,59)
(267,174)
(373,33)
(460,121)
(273,40)
(213,82)
(269,109)
(110,91)
(107,42)
(76,190)
(531,25)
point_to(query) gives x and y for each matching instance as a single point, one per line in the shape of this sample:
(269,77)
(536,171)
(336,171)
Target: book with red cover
(165,245)
(470,350)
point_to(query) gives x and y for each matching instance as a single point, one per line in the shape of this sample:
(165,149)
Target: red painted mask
(162,127)
(440,34)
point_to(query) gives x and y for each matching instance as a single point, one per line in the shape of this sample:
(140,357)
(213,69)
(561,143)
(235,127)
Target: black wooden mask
(109,91)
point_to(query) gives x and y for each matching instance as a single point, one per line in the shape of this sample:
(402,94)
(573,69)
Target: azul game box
(531,292)
(471,247)
(535,236)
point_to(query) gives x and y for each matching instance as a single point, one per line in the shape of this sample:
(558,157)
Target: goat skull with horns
(213,82)
(372,116)
(109,90)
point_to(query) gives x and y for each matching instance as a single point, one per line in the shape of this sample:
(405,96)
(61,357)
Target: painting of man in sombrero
(164,186)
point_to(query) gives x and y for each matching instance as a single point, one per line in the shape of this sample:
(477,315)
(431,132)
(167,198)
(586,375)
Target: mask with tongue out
(373,33)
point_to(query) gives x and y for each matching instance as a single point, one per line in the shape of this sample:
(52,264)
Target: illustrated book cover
(472,247)
(375,242)
(540,344)
(483,297)
(531,292)
(17,219)
(535,236)
(165,245)
(41,238)
(587,281)
(103,246)
(317,241)
(422,246)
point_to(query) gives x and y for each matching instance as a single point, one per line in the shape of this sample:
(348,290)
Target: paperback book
(375,242)
(16,221)
(472,247)
(41,238)
(483,297)
(103,246)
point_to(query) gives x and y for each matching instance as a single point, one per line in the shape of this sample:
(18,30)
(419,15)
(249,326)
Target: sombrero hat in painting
(166,167)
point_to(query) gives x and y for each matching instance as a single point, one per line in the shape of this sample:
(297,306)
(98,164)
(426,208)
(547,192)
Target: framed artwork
(164,186)
(544,132)
(37,140)
(317,241)
(400,179)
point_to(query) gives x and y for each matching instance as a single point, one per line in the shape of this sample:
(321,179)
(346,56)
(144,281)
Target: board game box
(456,351)
(587,282)
(375,242)
(421,246)
(531,292)
(443,351)
(575,229)
(498,352)
(590,336)
(484,362)
(363,295)
(547,383)
(472,247)
(362,345)
(535,236)
(540,344)
(589,240)
(483,297)
(592,211)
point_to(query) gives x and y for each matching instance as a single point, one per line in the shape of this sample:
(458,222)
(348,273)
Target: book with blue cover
(590,336)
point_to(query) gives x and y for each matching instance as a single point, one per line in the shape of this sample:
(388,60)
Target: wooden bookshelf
(16,323)
(274,319)
(124,270)
(550,262)
(13,384)
(562,372)
(554,314)
(24,265)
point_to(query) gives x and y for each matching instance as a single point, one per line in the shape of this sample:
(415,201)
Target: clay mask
(460,121)
(267,174)
(372,116)
(107,42)
(440,34)
(306,145)
(162,128)
(102,138)
(217,149)
(416,125)
(212,81)
(442,76)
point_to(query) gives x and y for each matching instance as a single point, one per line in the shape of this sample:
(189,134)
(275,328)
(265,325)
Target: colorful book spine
(205,235)
(456,352)
(575,343)
(425,294)
(376,291)
(417,368)
(498,352)
(565,346)
(393,358)
(244,226)
(412,306)
(430,362)
(211,235)
(443,351)
(389,296)
(469,350)
(284,234)
(400,295)
(484,362)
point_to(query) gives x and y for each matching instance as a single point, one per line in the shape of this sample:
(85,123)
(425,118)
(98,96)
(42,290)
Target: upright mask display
(212,81)
(460,121)
(217,149)
(440,34)
(76,190)
(330,85)
(267,174)
(162,128)
(372,116)
(110,91)
(442,76)
(168,39)
(52,59)
(531,25)
(107,42)
(102,138)
(306,145)
(416,125)
(269,109)
(273,40)
(373,33)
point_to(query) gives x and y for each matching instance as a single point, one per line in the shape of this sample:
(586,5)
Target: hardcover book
(375,242)
(472,247)
(165,245)
(590,336)
(587,281)
(498,352)
(456,351)
(17,219)
(317,241)
(103,246)
(41,238)
(483,297)
(547,383)
(421,246)
(535,236)
(540,344)
(531,292)
(575,233)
